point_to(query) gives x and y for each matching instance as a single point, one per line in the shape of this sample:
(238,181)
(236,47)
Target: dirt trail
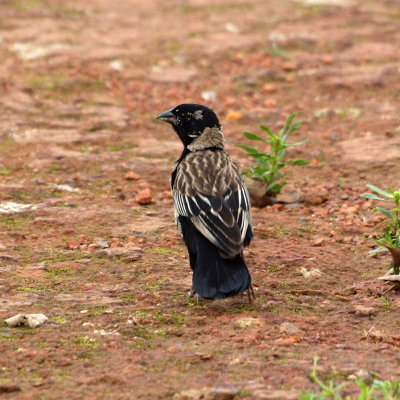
(80,85)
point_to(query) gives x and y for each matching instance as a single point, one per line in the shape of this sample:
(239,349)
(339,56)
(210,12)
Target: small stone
(131,176)
(249,322)
(349,210)
(327,60)
(205,357)
(270,103)
(82,239)
(209,95)
(290,329)
(133,253)
(364,375)
(363,311)
(313,272)
(223,393)
(351,229)
(348,291)
(274,394)
(376,335)
(9,388)
(269,88)
(73,244)
(36,320)
(47,220)
(117,65)
(172,349)
(144,197)
(132,320)
(290,194)
(234,115)
(190,394)
(16,320)
(93,247)
(32,320)
(102,243)
(257,191)
(318,242)
(232,28)
(277,207)
(327,305)
(289,66)
(83,261)
(347,239)
(316,196)
(9,257)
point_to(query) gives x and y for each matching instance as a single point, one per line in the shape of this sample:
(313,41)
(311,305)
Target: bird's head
(197,126)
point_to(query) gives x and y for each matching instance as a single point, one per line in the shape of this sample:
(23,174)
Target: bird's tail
(214,277)
(219,278)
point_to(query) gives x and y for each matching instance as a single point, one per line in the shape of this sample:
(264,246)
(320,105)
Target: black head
(190,120)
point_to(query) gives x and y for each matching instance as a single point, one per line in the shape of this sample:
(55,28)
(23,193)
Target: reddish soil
(81,84)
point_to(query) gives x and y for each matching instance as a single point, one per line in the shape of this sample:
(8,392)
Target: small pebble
(131,176)
(144,197)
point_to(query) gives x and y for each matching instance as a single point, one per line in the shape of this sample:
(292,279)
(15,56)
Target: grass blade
(299,143)
(250,150)
(252,136)
(292,128)
(380,191)
(288,122)
(386,213)
(298,162)
(372,197)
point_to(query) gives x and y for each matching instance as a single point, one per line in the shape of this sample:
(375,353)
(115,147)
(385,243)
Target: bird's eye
(181,118)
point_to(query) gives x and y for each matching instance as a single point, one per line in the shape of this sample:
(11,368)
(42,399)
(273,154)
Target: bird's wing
(209,190)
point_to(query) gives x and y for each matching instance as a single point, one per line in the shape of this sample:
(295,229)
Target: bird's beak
(167,116)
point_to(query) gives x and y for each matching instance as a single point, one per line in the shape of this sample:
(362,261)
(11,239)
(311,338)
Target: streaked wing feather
(216,200)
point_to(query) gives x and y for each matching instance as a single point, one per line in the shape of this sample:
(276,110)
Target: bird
(212,205)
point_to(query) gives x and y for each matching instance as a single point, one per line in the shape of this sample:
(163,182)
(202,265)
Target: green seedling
(389,239)
(270,164)
(378,389)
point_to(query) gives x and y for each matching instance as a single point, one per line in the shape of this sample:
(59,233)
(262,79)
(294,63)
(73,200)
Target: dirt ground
(80,85)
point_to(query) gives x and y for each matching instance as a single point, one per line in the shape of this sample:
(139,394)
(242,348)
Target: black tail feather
(220,279)
(214,277)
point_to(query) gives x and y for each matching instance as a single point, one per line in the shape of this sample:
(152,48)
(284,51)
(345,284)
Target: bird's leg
(250,293)
(192,293)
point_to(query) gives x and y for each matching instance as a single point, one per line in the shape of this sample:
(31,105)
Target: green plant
(389,240)
(271,163)
(386,390)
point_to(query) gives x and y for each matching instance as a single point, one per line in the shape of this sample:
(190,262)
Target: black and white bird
(212,204)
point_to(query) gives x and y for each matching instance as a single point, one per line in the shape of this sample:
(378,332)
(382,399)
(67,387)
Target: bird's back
(209,190)
(210,171)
